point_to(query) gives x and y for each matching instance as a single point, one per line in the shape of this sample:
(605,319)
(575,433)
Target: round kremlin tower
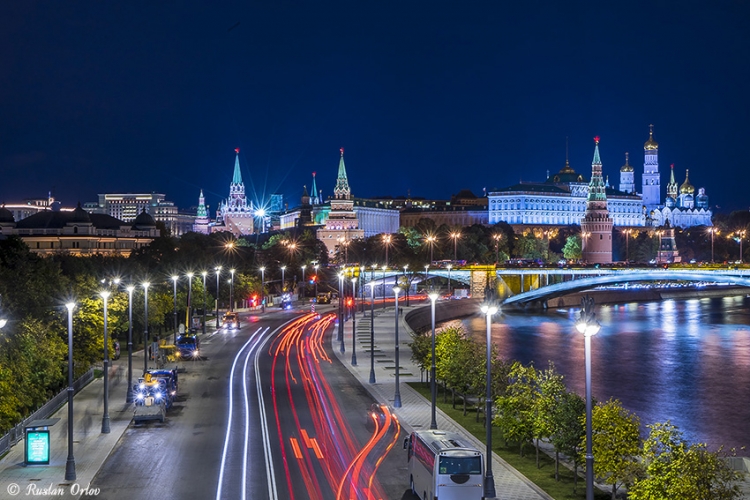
(596,225)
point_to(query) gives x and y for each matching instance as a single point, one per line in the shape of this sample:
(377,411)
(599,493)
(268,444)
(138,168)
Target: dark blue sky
(430,97)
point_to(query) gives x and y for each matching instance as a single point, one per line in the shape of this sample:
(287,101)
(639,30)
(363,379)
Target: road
(268,413)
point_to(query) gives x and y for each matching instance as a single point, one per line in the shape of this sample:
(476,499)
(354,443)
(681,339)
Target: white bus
(443,466)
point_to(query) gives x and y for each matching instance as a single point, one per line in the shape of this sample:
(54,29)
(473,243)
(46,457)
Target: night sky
(425,97)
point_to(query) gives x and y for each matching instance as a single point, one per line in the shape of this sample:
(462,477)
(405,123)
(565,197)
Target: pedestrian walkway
(416,411)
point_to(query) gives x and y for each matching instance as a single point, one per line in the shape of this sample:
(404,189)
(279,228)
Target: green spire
(202,206)
(597,188)
(237,178)
(342,189)
(314,200)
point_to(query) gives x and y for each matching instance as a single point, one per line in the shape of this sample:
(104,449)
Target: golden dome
(627,167)
(651,144)
(686,187)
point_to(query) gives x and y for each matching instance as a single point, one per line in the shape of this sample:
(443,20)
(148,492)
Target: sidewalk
(415,411)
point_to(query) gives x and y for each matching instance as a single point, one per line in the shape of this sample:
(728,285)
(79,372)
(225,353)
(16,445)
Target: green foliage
(421,349)
(616,444)
(569,431)
(572,249)
(675,469)
(515,409)
(550,390)
(530,247)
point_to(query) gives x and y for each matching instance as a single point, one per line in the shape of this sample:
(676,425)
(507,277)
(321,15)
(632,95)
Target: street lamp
(70,463)
(129,395)
(145,326)
(387,243)
(262,289)
(455,235)
(174,279)
(218,273)
(397,396)
(304,284)
(588,326)
(204,274)
(627,244)
(384,268)
(362,288)
(231,291)
(431,239)
(449,266)
(105,416)
(426,274)
(407,285)
(283,269)
(497,237)
(489,309)
(190,301)
(713,230)
(372,332)
(433,387)
(341,311)
(316,266)
(354,321)
(741,236)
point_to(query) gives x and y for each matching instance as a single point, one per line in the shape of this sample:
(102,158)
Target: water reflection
(681,360)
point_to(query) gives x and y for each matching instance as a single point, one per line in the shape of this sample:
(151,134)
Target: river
(687,361)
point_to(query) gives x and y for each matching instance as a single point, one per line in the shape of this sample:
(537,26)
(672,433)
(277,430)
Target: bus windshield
(460,465)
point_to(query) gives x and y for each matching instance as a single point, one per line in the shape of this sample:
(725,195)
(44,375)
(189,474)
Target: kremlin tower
(596,225)
(235,212)
(201,217)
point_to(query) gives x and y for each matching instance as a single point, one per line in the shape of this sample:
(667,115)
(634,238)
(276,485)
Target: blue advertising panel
(37,447)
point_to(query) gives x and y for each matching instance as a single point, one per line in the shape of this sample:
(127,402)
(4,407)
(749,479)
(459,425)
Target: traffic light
(349,302)
(313,279)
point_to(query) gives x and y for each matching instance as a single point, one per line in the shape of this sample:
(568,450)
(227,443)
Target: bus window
(460,465)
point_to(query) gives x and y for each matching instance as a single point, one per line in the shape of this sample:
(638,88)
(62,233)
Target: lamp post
(105,416)
(190,301)
(433,387)
(588,326)
(204,274)
(407,285)
(455,235)
(129,395)
(489,481)
(262,289)
(449,280)
(384,268)
(145,326)
(231,291)
(342,348)
(354,321)
(218,273)
(741,236)
(397,395)
(361,288)
(174,280)
(497,237)
(304,284)
(713,230)
(316,281)
(387,243)
(70,463)
(426,275)
(627,244)
(283,270)
(431,239)
(372,332)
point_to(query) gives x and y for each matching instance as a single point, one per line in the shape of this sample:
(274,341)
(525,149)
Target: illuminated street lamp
(145,326)
(105,416)
(433,387)
(231,291)
(387,243)
(354,321)
(713,230)
(204,274)
(426,274)
(341,312)
(129,395)
(70,463)
(190,300)
(431,239)
(218,273)
(489,309)
(174,279)
(406,285)
(741,236)
(455,235)
(397,395)
(588,326)
(449,266)
(627,232)
(384,268)
(303,266)
(497,237)
(361,288)
(283,270)
(372,332)
(316,266)
(262,289)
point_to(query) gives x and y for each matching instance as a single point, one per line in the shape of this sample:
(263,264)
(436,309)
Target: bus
(444,466)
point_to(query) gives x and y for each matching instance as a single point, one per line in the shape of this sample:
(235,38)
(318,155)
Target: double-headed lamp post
(262,289)
(190,301)
(304,284)
(354,321)
(70,463)
(175,278)
(218,273)
(397,395)
(433,387)
(588,326)
(231,291)
(449,266)
(105,417)
(145,326)
(204,274)
(713,230)
(341,312)
(283,270)
(489,309)
(129,395)
(372,331)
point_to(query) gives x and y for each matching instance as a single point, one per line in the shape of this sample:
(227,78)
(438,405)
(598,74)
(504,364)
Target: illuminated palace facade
(561,198)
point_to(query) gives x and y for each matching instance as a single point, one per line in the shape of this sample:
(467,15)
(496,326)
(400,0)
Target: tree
(616,444)
(515,408)
(568,418)
(549,391)
(675,469)
(572,249)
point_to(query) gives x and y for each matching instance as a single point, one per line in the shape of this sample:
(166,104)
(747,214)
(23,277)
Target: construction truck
(154,395)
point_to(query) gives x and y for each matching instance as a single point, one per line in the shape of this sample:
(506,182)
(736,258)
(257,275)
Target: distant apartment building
(127,206)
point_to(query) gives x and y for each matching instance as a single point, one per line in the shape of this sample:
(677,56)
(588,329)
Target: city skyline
(426,99)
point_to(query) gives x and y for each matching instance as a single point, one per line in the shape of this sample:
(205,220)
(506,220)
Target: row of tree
(533,405)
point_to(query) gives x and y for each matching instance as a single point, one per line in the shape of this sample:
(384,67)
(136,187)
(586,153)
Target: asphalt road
(291,401)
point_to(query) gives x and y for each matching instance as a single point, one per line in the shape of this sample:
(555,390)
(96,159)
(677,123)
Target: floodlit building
(596,225)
